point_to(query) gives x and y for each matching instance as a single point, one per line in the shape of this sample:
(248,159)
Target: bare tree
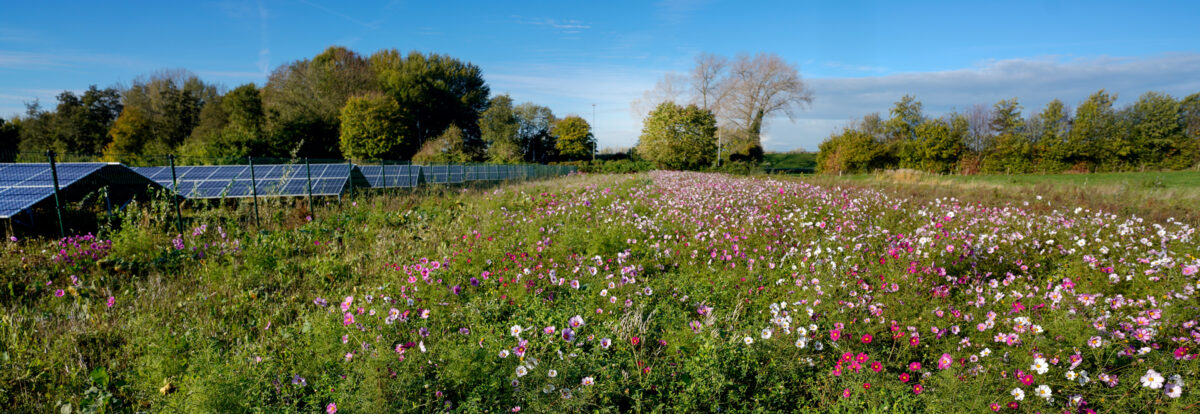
(708,81)
(979,121)
(760,86)
(668,89)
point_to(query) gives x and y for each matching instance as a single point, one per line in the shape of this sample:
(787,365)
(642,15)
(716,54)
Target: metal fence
(68,189)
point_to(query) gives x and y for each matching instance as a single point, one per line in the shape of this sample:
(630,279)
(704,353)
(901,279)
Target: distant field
(805,160)
(1155,195)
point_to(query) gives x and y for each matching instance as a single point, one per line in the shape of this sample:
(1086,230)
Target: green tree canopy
(303,100)
(535,123)
(373,127)
(677,137)
(499,128)
(574,138)
(437,90)
(451,147)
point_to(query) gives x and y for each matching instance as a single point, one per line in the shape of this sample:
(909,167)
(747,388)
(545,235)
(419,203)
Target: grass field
(790,160)
(1158,196)
(657,292)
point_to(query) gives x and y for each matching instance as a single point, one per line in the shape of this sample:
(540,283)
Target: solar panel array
(443,174)
(233,181)
(391,176)
(24,185)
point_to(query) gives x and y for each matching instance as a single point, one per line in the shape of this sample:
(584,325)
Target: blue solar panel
(269,180)
(391,176)
(23,185)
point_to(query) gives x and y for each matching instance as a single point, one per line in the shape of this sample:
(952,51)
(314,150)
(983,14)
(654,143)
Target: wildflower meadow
(651,292)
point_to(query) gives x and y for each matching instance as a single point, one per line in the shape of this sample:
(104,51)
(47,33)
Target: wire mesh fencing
(63,193)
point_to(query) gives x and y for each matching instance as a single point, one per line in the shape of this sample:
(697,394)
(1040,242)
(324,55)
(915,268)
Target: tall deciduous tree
(678,137)
(534,131)
(1157,134)
(438,91)
(1055,120)
(1092,131)
(167,103)
(761,86)
(231,127)
(500,130)
(303,100)
(574,140)
(374,127)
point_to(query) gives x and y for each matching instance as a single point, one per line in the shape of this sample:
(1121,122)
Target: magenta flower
(331,408)
(915,366)
(945,361)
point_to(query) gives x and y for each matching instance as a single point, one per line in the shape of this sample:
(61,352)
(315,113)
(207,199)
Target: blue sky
(858,57)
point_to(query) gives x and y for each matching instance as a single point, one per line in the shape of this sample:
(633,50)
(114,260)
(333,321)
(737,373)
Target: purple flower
(456,289)
(474,282)
(568,334)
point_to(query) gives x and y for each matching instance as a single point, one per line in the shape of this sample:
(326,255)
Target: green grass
(804,160)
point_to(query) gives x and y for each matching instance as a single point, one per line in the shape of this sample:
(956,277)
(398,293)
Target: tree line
(1156,132)
(338,104)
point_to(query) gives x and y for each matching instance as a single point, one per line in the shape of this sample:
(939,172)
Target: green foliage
(10,139)
(303,101)
(676,137)
(1156,132)
(373,127)
(452,147)
(574,138)
(230,127)
(436,90)
(535,132)
(500,130)
(851,151)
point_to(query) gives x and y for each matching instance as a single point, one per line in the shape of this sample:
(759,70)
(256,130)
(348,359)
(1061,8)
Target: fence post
(254,192)
(175,195)
(308,171)
(383,173)
(57,201)
(350,167)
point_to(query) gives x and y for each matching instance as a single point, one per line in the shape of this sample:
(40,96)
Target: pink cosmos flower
(945,361)
(866,338)
(917,389)
(331,408)
(348,319)
(915,366)
(834,335)
(904,377)
(111,301)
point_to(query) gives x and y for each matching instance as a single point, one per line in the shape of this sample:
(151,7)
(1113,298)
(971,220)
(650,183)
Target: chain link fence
(59,194)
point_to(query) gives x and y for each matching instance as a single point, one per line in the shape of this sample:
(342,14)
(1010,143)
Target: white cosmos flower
(766,333)
(515,330)
(1172,390)
(1040,366)
(748,340)
(1152,379)
(1043,391)
(1018,394)
(521,370)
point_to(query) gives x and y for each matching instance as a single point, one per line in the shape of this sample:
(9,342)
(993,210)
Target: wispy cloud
(65,60)
(563,26)
(264,52)
(678,11)
(369,25)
